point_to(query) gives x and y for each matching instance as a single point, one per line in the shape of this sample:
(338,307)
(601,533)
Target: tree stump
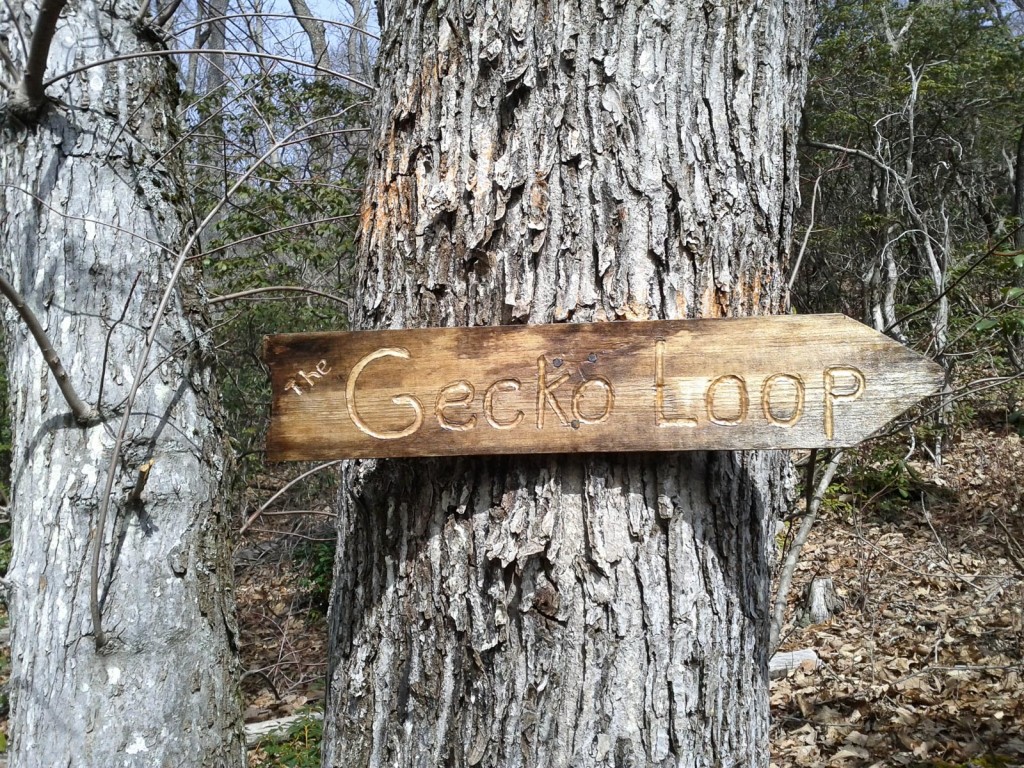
(819,602)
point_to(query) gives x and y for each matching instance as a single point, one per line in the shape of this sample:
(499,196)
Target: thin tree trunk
(360,62)
(1018,192)
(87,205)
(316,33)
(578,162)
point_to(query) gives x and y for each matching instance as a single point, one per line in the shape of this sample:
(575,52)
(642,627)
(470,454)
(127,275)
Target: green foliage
(300,749)
(291,223)
(954,132)
(924,97)
(318,559)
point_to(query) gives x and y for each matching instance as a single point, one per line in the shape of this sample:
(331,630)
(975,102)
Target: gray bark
(1018,192)
(577,162)
(87,203)
(820,601)
(360,61)
(316,34)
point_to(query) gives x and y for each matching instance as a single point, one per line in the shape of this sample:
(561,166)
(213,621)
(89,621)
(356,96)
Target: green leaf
(987,324)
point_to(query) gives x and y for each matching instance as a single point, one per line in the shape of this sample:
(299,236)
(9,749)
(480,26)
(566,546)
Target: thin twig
(852,151)
(7,59)
(293,534)
(289,484)
(202,52)
(271,232)
(87,220)
(1008,548)
(299,512)
(84,415)
(807,236)
(275,289)
(247,16)
(959,278)
(110,331)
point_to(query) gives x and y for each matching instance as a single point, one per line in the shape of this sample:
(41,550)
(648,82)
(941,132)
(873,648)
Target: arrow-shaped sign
(806,381)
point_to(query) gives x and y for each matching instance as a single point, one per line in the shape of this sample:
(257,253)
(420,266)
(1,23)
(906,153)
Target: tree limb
(262,510)
(230,16)
(204,52)
(164,16)
(851,151)
(17,27)
(5,56)
(31,93)
(315,31)
(793,556)
(1018,191)
(84,415)
(275,289)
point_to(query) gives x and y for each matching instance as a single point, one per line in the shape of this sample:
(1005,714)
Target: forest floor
(923,664)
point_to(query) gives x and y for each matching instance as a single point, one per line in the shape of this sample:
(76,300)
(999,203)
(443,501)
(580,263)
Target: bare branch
(1008,546)
(143,12)
(87,220)
(851,151)
(793,556)
(84,415)
(5,55)
(807,236)
(255,515)
(248,16)
(275,289)
(17,27)
(314,29)
(31,93)
(1018,190)
(110,332)
(271,232)
(946,289)
(204,52)
(163,17)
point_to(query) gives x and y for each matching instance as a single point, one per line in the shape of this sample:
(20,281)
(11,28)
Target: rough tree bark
(89,201)
(580,162)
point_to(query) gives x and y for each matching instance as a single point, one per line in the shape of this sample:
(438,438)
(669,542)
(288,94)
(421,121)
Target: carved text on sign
(725,400)
(780,382)
(301,378)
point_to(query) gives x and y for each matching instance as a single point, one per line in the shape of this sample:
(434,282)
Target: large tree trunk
(570,162)
(88,203)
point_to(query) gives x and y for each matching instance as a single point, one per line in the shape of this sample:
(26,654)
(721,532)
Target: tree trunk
(580,162)
(1018,193)
(88,202)
(316,33)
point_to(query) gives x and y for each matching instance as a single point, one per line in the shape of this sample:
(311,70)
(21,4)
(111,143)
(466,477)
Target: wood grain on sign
(768,382)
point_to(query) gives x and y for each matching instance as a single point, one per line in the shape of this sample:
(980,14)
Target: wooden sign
(768,382)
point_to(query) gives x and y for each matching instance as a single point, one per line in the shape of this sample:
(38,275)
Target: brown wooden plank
(768,382)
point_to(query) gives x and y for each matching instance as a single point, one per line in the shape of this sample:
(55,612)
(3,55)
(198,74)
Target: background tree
(583,163)
(912,156)
(123,645)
